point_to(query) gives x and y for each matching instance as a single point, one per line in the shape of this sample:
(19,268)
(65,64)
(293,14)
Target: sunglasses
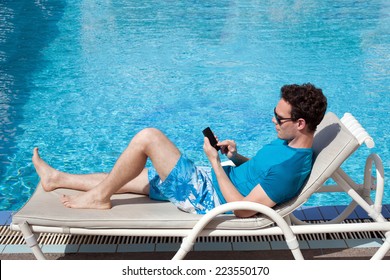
(280,119)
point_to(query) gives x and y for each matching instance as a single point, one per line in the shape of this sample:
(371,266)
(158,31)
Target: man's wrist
(238,159)
(233,156)
(216,163)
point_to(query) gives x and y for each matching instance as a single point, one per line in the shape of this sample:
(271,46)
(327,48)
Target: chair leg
(31,241)
(185,247)
(290,237)
(380,254)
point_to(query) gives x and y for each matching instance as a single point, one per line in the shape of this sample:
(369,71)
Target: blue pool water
(80,78)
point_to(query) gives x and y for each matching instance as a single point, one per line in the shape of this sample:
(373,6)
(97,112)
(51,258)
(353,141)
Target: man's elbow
(244,213)
(250,213)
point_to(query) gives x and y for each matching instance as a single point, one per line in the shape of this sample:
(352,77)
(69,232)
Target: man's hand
(228,148)
(211,152)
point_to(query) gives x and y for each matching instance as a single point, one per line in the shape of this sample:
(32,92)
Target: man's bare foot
(49,176)
(87,200)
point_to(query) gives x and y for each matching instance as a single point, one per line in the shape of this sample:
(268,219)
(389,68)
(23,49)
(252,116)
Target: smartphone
(209,134)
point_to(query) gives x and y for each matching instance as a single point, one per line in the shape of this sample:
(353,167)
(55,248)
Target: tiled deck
(12,244)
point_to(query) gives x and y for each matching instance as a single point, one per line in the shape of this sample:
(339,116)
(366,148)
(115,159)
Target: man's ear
(301,124)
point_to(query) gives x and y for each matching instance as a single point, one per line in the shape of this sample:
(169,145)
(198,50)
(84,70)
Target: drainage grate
(9,237)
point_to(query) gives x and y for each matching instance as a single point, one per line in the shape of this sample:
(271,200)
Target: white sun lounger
(135,215)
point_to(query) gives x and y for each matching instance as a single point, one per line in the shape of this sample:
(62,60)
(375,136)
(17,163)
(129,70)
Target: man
(274,175)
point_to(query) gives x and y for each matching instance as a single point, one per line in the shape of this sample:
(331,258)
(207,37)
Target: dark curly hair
(307,102)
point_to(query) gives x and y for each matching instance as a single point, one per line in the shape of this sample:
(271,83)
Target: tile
(282,245)
(312,214)
(251,246)
(278,245)
(361,213)
(73,248)
(167,247)
(303,244)
(352,216)
(386,211)
(5,218)
(101,248)
(328,212)
(328,244)
(299,213)
(16,249)
(214,246)
(364,243)
(123,248)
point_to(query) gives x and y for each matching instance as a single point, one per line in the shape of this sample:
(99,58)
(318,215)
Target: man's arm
(239,159)
(229,148)
(229,191)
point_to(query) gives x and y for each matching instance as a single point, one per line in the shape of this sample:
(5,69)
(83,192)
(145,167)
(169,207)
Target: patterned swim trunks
(188,187)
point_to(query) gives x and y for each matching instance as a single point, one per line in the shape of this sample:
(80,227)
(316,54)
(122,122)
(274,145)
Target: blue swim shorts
(188,186)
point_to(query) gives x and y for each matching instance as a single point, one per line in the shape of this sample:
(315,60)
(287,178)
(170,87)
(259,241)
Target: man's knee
(148,136)
(152,133)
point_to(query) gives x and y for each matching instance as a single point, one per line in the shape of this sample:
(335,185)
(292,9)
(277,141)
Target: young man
(275,174)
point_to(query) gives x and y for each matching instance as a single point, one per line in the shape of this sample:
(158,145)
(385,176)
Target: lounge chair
(136,215)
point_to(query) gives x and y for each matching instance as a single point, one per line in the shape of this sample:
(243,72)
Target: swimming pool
(80,78)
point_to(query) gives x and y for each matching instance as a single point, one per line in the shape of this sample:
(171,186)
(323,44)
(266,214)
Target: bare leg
(52,179)
(148,143)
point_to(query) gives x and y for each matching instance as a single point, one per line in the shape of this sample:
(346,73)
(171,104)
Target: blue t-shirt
(279,169)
